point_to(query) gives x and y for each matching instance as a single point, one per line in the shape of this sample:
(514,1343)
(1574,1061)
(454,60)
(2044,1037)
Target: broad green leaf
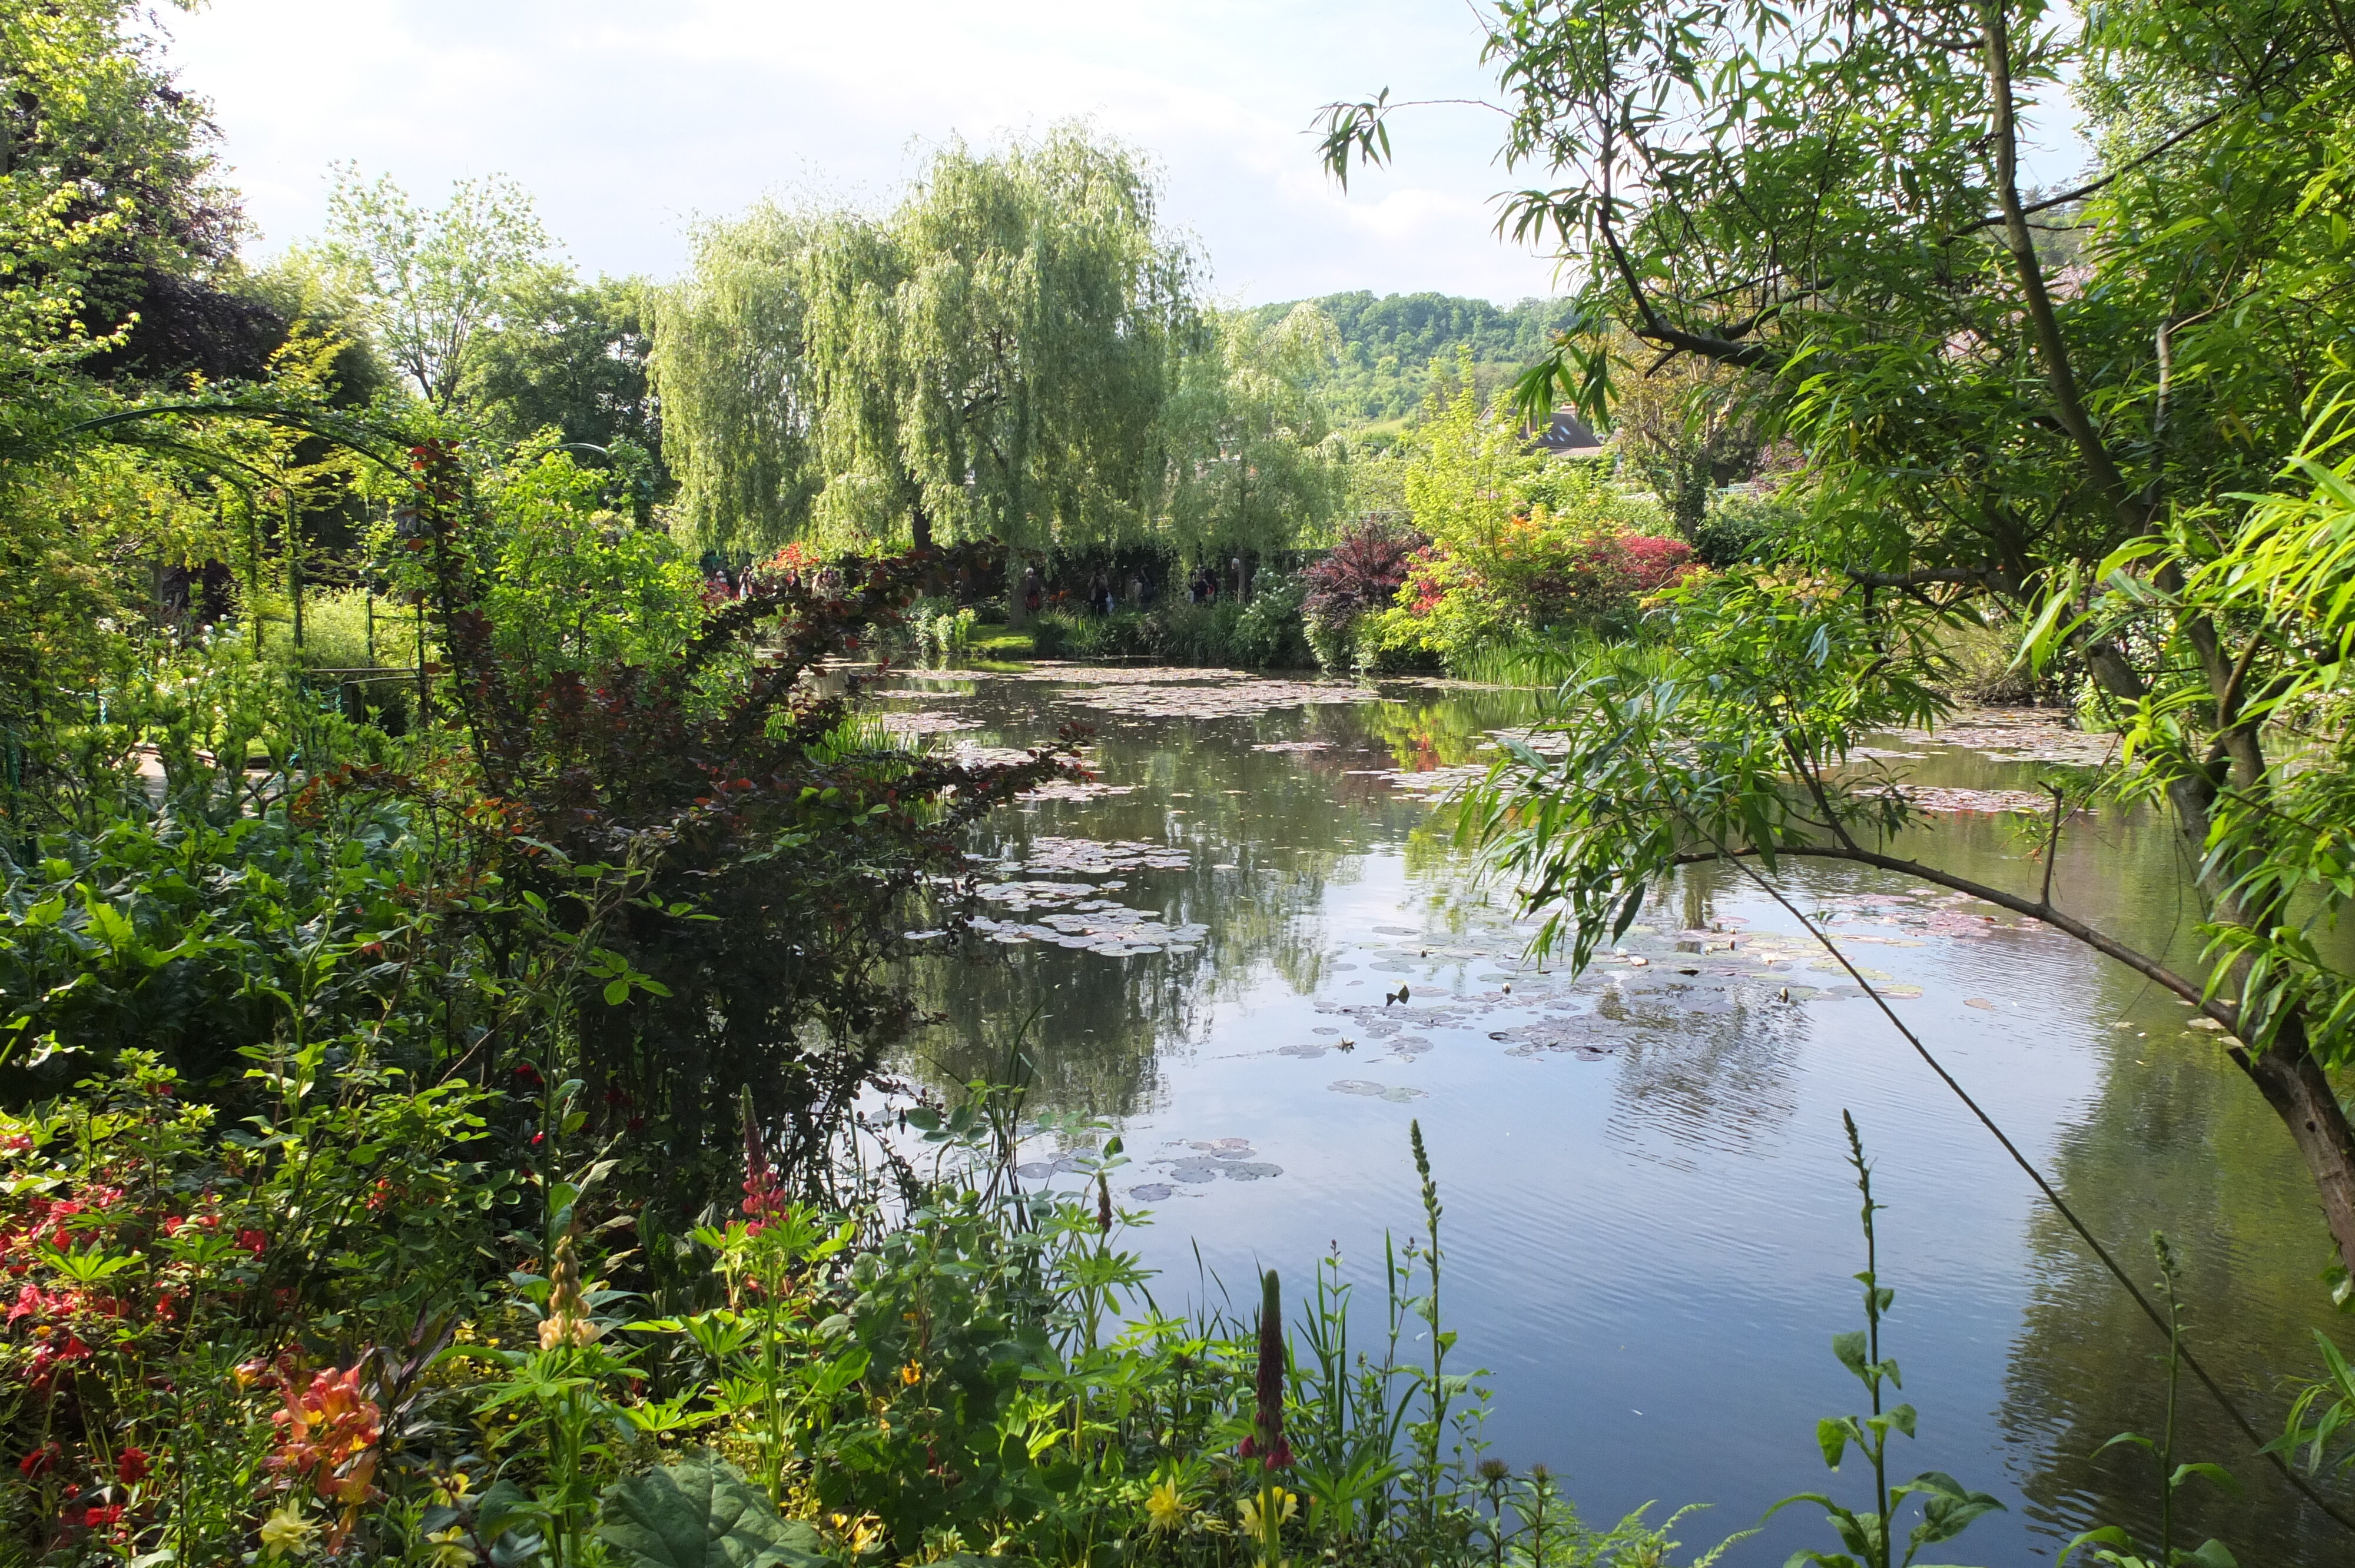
(700,1512)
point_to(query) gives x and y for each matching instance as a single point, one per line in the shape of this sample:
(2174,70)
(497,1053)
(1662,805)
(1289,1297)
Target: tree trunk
(919,527)
(2294,1085)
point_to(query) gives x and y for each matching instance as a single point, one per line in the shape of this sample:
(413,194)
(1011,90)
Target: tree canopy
(991,357)
(1392,347)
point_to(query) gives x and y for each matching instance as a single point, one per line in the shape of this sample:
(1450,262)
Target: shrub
(1537,578)
(1271,633)
(1360,576)
(1742,527)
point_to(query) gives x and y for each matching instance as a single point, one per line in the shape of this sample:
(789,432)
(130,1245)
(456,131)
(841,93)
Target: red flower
(131,1465)
(98,1514)
(41,1460)
(251,1241)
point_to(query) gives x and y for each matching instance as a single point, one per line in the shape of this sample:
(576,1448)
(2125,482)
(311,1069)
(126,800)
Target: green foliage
(1666,761)
(157,1245)
(568,355)
(104,196)
(990,360)
(1828,210)
(433,284)
(1267,633)
(1251,466)
(572,584)
(1395,347)
(1742,527)
(1521,548)
(700,1512)
(1947,1507)
(2116,1544)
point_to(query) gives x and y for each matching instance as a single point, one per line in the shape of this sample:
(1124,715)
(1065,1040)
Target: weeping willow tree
(992,358)
(1252,464)
(734,382)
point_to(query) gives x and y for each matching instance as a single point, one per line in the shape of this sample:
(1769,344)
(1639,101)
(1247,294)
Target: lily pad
(1371,1090)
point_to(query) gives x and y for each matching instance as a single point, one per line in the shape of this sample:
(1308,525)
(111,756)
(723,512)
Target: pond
(1251,943)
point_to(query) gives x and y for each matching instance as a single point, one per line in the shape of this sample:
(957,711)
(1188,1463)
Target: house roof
(1568,435)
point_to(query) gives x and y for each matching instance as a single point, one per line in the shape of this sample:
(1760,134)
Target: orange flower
(327,1434)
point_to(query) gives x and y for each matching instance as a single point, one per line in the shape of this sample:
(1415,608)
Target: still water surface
(1649,1224)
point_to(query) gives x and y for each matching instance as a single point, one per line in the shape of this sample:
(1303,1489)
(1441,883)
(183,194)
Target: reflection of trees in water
(1424,733)
(2175,1141)
(1269,834)
(1721,1082)
(1092,1028)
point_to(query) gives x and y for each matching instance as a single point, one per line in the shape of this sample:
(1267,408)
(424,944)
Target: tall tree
(1687,428)
(729,362)
(570,355)
(435,283)
(1252,464)
(117,248)
(1827,199)
(993,358)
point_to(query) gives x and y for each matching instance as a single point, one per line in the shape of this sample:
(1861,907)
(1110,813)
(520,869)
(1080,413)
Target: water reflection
(1651,1228)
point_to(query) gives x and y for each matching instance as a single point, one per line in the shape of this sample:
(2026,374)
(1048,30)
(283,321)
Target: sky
(629,121)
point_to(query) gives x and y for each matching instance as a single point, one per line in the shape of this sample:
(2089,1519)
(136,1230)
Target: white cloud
(629,120)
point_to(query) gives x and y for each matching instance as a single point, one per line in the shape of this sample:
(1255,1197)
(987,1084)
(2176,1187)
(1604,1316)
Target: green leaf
(2216,1473)
(616,992)
(2211,1554)
(2109,1535)
(701,1513)
(503,1506)
(1851,1348)
(1831,1436)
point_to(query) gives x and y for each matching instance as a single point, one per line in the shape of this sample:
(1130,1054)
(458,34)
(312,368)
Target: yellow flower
(286,1531)
(1248,1509)
(861,1535)
(1166,1508)
(450,1549)
(568,1329)
(450,1490)
(911,1374)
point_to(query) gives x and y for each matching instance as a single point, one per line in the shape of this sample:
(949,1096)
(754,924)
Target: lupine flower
(1266,1442)
(568,1321)
(763,1199)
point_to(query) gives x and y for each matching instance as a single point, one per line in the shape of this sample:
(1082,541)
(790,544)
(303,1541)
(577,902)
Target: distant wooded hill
(1388,344)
